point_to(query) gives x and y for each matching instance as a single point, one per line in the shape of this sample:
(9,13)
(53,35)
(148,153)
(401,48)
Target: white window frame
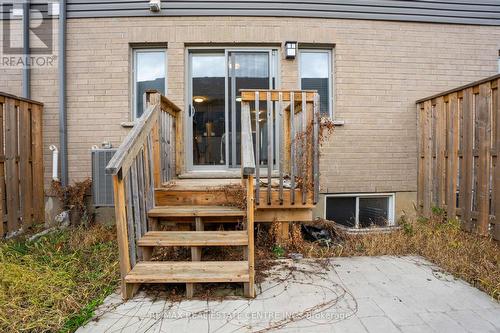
(390,209)
(135,51)
(331,55)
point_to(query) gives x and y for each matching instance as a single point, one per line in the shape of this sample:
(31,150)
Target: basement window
(360,210)
(149,72)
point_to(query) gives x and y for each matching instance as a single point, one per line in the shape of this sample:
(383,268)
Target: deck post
(121,230)
(195,255)
(250,287)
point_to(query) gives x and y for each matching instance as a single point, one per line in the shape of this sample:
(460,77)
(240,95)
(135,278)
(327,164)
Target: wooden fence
(21,163)
(458,164)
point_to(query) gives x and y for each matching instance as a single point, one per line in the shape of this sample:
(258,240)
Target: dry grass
(54,283)
(467,256)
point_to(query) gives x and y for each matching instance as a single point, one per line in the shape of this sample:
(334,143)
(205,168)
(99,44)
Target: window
(360,211)
(498,61)
(149,73)
(315,74)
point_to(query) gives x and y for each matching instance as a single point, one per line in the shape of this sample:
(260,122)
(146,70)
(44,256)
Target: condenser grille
(102,185)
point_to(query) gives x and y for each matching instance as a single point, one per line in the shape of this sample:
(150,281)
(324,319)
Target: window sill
(127,124)
(338,122)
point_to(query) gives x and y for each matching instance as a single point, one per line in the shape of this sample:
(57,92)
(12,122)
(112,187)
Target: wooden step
(188,271)
(183,211)
(194,238)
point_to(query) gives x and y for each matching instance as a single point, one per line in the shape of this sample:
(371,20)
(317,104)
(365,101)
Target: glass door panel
(246,70)
(207,109)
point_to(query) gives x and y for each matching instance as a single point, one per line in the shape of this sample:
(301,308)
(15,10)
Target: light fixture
(155,6)
(199,99)
(290,50)
(238,99)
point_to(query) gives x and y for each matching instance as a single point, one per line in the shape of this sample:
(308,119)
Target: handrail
(144,159)
(122,160)
(247,154)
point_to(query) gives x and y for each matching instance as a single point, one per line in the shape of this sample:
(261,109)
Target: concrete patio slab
(356,294)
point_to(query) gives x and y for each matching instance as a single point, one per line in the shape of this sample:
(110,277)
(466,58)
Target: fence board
(427,161)
(483,171)
(466,189)
(452,154)
(496,141)
(11,167)
(2,172)
(24,163)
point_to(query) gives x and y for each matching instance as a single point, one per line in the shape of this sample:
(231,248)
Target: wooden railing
(292,131)
(458,165)
(144,159)
(21,164)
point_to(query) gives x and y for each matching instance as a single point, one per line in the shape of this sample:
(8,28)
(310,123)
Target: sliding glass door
(214,115)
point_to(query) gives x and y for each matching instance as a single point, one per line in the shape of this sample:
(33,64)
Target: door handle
(192,110)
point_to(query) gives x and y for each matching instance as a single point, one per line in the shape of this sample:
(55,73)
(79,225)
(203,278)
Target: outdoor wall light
(155,6)
(291,50)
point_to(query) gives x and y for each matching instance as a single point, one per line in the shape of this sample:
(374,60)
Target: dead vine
(73,196)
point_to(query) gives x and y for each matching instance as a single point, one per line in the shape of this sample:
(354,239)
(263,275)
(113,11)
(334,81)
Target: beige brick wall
(381,68)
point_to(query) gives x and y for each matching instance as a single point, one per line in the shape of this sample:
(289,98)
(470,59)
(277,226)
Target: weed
(278,251)
(440,240)
(56,282)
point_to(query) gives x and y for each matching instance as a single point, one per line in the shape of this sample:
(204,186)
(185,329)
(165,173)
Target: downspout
(26,49)
(62,94)
(55,160)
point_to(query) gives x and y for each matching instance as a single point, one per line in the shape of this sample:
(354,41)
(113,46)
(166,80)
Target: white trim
(390,205)
(143,49)
(331,76)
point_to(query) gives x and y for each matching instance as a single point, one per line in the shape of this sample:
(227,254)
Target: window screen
(149,74)
(315,75)
(341,210)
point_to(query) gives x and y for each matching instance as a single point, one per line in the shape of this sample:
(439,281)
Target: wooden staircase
(197,270)
(146,197)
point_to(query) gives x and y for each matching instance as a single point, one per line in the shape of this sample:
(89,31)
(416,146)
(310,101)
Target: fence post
(483,165)
(495,127)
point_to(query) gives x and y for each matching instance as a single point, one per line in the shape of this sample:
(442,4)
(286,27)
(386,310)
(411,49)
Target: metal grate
(102,185)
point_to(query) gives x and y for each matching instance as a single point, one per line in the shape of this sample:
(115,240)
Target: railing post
(121,230)
(250,229)
(316,120)
(154,98)
(155,135)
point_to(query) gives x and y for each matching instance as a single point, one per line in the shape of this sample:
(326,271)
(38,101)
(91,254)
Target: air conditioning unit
(102,183)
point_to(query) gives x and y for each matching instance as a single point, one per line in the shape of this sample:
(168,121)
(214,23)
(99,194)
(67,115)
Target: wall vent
(102,183)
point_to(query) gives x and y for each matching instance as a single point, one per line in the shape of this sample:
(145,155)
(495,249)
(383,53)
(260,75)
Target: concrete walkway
(359,294)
